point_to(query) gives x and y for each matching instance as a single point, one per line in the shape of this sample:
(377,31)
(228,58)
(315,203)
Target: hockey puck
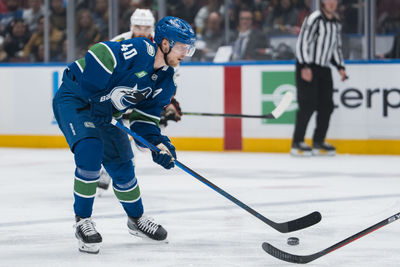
(293,241)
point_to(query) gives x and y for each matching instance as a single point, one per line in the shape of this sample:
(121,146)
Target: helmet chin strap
(165,54)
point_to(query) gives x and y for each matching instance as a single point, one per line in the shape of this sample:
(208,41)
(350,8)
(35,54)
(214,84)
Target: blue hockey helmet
(175,30)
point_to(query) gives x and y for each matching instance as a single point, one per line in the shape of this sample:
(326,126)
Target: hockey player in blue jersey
(142,25)
(113,77)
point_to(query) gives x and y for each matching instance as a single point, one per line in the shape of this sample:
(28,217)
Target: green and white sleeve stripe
(81,64)
(140,116)
(104,56)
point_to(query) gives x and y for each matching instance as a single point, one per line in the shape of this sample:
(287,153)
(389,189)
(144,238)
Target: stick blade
(283,105)
(304,222)
(284,256)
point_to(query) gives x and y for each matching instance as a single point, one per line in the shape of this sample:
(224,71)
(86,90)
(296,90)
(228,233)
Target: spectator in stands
(87,34)
(349,12)
(37,39)
(388,16)
(33,13)
(212,38)
(250,43)
(100,17)
(16,37)
(3,7)
(13,12)
(234,10)
(84,4)
(204,12)
(283,18)
(3,54)
(186,10)
(125,11)
(258,10)
(39,53)
(394,53)
(58,17)
(303,13)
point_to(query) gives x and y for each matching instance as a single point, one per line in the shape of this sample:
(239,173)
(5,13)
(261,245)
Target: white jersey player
(142,25)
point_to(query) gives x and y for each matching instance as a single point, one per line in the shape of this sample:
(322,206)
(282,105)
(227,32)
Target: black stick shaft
(285,256)
(361,234)
(285,227)
(230,115)
(224,193)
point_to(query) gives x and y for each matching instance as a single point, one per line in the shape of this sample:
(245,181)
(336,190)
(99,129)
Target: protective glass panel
(352,16)
(387,40)
(261,30)
(91,24)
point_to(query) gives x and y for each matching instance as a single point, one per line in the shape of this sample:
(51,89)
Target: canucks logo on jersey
(122,97)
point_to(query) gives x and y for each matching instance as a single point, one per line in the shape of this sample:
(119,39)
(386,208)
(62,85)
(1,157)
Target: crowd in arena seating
(22,25)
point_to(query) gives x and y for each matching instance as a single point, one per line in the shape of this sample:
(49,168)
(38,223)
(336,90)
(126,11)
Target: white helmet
(142,17)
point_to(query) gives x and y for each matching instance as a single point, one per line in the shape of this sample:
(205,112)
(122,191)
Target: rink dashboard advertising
(365,120)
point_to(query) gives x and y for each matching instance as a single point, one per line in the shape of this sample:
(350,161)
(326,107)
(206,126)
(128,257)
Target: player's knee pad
(88,155)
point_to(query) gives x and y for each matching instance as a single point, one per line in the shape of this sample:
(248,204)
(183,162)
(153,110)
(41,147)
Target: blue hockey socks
(126,188)
(88,156)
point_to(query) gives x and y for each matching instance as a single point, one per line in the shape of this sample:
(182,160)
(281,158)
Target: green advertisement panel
(274,85)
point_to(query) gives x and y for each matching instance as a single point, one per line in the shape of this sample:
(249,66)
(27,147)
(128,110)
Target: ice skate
(88,237)
(300,149)
(323,149)
(145,227)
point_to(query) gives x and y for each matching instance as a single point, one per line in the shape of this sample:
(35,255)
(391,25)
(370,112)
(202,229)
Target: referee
(318,46)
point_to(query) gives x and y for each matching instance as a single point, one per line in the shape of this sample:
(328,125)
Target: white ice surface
(205,229)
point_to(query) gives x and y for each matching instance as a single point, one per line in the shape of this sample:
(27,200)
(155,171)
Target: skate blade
(91,248)
(321,152)
(146,238)
(299,153)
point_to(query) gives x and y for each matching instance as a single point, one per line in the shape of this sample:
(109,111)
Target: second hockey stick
(276,113)
(284,227)
(282,255)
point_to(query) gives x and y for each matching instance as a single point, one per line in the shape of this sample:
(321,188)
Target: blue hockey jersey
(114,70)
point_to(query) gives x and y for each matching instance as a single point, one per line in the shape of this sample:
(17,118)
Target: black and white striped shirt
(320,42)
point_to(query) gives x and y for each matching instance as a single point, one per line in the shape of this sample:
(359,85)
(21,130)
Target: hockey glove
(101,112)
(171,112)
(167,153)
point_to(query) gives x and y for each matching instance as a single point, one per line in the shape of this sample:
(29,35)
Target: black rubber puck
(293,241)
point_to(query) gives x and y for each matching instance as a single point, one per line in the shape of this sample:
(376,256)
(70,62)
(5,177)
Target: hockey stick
(282,255)
(276,113)
(284,227)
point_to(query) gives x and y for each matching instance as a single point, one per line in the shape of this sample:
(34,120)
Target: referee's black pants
(314,96)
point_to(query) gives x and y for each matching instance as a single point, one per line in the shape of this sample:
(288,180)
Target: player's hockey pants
(92,146)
